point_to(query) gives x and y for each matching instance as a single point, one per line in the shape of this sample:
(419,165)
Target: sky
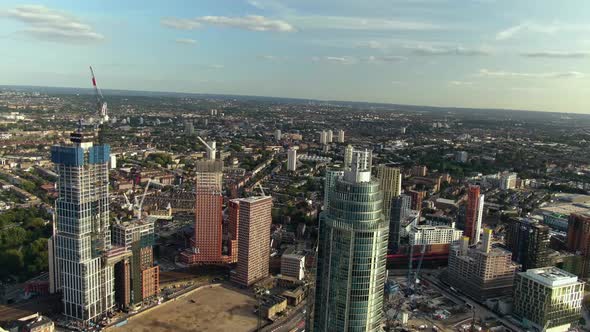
(525,54)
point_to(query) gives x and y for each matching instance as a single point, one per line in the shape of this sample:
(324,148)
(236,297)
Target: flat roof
(551,276)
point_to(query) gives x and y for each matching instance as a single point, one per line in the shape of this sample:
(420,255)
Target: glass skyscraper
(351,265)
(82,235)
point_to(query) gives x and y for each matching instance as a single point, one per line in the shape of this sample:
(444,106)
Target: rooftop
(551,276)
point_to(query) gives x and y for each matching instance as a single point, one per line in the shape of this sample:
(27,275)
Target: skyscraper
(82,235)
(352,253)
(253,239)
(340,136)
(206,244)
(400,209)
(292,159)
(390,179)
(473,214)
(529,242)
(331,176)
(417,198)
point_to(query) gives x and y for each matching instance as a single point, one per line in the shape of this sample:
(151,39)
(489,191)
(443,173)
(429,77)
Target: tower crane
(101,104)
(140,206)
(211,149)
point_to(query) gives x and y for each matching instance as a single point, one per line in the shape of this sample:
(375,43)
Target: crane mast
(101,104)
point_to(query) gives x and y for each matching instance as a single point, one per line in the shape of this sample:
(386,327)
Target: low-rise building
(293,265)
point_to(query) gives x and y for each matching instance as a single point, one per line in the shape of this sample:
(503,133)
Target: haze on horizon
(531,55)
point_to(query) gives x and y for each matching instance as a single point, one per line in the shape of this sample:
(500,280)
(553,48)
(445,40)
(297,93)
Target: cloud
(342,60)
(48,24)
(361,23)
(216,66)
(460,83)
(549,28)
(250,22)
(427,50)
(556,54)
(272,57)
(186,41)
(506,74)
(384,58)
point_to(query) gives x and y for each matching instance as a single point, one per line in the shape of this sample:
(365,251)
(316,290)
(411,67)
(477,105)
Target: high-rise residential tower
(348,156)
(340,136)
(292,159)
(473,214)
(253,238)
(82,235)
(390,179)
(529,242)
(352,253)
(400,209)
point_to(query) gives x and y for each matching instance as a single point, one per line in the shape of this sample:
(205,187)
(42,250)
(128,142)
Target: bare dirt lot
(214,309)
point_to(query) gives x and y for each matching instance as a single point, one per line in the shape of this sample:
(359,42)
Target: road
(295,321)
(480,310)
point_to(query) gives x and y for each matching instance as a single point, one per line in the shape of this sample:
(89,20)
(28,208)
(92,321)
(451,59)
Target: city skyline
(476,54)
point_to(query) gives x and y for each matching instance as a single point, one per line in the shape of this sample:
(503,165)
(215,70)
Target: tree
(12,262)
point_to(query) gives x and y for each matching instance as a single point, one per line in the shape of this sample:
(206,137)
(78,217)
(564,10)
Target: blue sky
(526,54)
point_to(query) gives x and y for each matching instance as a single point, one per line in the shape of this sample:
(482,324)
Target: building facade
(293,265)
(473,214)
(578,238)
(253,239)
(390,179)
(82,235)
(400,210)
(482,273)
(352,250)
(292,159)
(529,242)
(548,298)
(427,235)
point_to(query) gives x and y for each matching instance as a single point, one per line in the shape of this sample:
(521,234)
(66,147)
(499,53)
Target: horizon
(484,54)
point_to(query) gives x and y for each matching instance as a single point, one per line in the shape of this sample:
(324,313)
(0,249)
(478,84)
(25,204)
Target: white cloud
(548,28)
(342,60)
(360,23)
(186,41)
(507,74)
(426,50)
(48,24)
(557,54)
(460,83)
(272,57)
(385,58)
(216,66)
(250,22)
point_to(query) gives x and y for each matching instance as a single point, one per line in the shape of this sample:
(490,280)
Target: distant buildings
(189,128)
(83,236)
(508,181)
(473,214)
(329,136)
(578,238)
(417,198)
(419,170)
(293,265)
(461,157)
(529,242)
(390,179)
(340,136)
(292,159)
(253,239)
(352,253)
(548,298)
(278,135)
(481,273)
(323,137)
(348,156)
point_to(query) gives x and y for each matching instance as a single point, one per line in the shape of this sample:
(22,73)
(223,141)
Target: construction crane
(416,280)
(101,104)
(261,190)
(140,206)
(211,149)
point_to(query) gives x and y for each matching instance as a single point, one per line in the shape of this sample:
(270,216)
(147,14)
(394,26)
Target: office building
(483,272)
(82,244)
(400,210)
(461,156)
(390,179)
(292,159)
(529,242)
(340,136)
(136,277)
(293,265)
(578,238)
(473,214)
(352,252)
(278,135)
(429,235)
(548,299)
(253,239)
(417,198)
